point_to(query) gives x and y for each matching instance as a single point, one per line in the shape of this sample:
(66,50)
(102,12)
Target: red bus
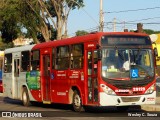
(98,69)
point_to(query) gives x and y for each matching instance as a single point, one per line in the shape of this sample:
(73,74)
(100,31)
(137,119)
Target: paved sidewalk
(155,107)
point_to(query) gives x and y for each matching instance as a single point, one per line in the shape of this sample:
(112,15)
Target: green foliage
(9,31)
(52,37)
(149,31)
(81,32)
(50,8)
(15,15)
(9,17)
(3,46)
(53,34)
(75,4)
(30,19)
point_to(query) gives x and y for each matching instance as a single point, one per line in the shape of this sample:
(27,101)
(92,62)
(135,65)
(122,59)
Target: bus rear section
(127,73)
(16,64)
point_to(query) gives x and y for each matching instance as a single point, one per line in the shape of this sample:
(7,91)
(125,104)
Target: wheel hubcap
(77,101)
(24,97)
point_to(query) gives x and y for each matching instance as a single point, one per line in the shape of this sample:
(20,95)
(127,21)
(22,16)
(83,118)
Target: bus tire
(77,102)
(25,97)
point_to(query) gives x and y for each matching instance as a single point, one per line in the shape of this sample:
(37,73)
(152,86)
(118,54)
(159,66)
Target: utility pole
(101,24)
(114,25)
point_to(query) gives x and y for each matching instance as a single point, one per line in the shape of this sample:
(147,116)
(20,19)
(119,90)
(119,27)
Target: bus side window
(77,56)
(62,57)
(89,63)
(53,58)
(95,61)
(35,60)
(8,63)
(25,61)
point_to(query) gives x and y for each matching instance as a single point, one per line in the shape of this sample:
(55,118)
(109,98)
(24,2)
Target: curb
(155,107)
(150,107)
(1,94)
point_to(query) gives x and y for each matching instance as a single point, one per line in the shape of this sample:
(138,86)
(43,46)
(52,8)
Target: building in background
(22,41)
(156,44)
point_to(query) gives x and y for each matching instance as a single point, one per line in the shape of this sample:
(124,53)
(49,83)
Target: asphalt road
(64,112)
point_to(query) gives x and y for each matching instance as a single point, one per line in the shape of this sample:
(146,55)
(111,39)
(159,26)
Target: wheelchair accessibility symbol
(134,73)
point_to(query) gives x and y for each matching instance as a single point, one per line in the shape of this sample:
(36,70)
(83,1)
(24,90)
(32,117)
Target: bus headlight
(107,90)
(150,90)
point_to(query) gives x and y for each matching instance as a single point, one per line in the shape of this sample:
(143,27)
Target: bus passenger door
(46,78)
(16,71)
(92,77)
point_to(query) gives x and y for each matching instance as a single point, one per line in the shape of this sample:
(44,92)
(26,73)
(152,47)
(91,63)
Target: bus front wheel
(77,102)
(25,97)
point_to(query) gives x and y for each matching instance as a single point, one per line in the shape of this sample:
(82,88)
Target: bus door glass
(16,68)
(92,77)
(46,77)
(16,72)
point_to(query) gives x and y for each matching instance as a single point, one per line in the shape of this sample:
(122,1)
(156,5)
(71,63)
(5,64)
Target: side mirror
(155,52)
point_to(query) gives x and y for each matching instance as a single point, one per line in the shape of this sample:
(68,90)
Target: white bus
(16,64)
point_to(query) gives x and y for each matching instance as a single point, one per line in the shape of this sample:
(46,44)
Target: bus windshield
(127,64)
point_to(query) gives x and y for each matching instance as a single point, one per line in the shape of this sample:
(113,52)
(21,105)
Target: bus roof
(18,49)
(81,39)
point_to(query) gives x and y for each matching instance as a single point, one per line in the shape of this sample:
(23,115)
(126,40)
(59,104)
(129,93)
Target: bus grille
(130,99)
(127,93)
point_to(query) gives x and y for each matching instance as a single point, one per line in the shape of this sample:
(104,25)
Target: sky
(136,11)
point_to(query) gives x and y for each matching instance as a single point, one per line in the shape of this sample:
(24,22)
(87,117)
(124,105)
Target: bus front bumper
(113,100)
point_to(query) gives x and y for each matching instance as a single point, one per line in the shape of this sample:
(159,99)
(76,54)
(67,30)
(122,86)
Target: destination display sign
(125,40)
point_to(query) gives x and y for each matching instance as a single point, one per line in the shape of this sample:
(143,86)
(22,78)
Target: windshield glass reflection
(127,64)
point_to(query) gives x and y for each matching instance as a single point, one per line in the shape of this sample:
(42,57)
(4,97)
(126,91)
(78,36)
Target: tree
(47,18)
(54,12)
(33,20)
(9,18)
(9,31)
(149,31)
(81,32)
(60,9)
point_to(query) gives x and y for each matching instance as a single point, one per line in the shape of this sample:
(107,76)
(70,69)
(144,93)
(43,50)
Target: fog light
(143,99)
(118,100)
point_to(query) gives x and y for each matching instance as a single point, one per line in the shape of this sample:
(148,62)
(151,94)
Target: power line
(109,25)
(124,25)
(89,30)
(136,20)
(133,10)
(85,12)
(132,23)
(144,19)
